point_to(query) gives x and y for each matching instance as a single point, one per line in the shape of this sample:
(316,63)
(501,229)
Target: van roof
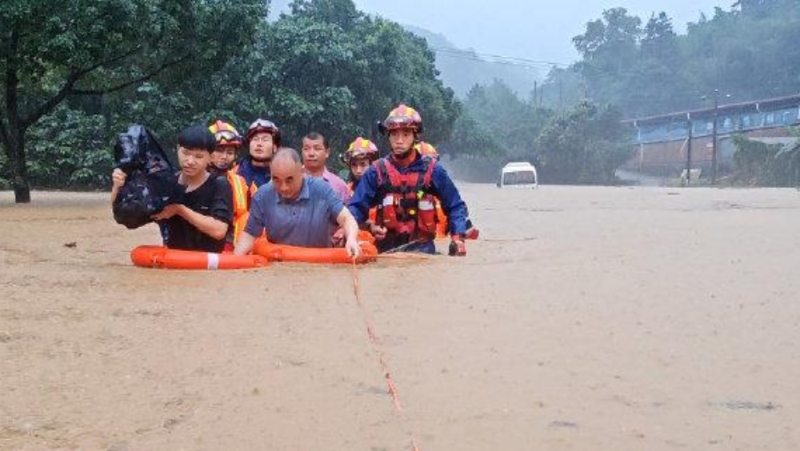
(518,164)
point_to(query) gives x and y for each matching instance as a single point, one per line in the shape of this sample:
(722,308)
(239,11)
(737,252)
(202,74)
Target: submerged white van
(519,174)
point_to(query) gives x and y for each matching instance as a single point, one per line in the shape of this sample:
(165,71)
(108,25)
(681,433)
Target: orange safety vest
(252,189)
(241,203)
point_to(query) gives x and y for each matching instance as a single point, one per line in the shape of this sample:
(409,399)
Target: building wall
(668,158)
(673,128)
(661,141)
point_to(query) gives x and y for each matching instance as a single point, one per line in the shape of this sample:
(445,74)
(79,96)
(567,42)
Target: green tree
(660,41)
(329,68)
(326,67)
(610,41)
(68,150)
(513,123)
(584,145)
(610,50)
(760,164)
(748,50)
(471,138)
(98,47)
(563,88)
(342,13)
(397,66)
(763,8)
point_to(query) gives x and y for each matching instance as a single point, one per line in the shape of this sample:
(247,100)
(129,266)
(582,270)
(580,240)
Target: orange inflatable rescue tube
(363,235)
(284,253)
(162,257)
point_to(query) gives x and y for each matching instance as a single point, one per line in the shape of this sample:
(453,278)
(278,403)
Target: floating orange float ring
(162,257)
(363,235)
(284,253)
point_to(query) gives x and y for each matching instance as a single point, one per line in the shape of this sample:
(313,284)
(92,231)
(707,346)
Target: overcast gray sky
(538,30)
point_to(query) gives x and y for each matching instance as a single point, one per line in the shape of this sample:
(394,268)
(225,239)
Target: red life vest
(408,205)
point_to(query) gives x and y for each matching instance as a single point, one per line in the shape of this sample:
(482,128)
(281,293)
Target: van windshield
(519,178)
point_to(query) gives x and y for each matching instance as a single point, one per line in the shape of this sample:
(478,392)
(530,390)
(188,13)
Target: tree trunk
(14,135)
(19,168)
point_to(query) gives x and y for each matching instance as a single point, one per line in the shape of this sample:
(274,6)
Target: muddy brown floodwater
(584,319)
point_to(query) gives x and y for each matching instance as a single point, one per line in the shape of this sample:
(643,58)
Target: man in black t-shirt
(212,200)
(202,218)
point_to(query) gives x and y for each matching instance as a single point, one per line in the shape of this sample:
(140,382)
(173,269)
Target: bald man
(297,210)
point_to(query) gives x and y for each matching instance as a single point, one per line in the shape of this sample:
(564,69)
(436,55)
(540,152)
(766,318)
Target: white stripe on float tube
(213,260)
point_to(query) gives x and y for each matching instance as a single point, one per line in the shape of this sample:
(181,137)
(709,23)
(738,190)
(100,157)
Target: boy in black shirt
(202,219)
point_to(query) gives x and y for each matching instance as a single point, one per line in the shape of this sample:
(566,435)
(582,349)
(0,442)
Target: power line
(537,65)
(503,59)
(508,60)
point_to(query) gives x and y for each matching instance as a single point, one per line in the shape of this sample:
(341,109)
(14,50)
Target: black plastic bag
(152,183)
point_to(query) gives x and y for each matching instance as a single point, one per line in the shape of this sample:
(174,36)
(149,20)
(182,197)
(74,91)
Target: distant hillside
(460,69)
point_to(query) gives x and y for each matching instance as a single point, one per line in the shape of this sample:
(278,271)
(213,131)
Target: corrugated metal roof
(754,105)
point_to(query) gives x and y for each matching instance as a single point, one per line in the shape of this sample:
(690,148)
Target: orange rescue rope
(376,343)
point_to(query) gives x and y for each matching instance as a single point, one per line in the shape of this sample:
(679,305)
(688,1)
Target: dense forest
(93,67)
(634,69)
(74,77)
(644,68)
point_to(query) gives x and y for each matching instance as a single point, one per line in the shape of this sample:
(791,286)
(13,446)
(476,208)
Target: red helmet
(265,126)
(225,134)
(402,117)
(359,148)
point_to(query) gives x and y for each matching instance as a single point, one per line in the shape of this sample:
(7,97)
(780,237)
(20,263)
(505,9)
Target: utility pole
(714,140)
(714,136)
(689,150)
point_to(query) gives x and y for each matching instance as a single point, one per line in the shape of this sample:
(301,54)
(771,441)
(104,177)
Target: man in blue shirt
(297,210)
(404,187)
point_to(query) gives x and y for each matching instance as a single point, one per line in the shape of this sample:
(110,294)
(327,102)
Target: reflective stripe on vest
(241,202)
(240,193)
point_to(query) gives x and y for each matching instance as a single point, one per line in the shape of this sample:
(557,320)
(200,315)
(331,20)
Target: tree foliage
(330,68)
(96,47)
(760,164)
(584,145)
(100,65)
(496,122)
(645,68)
(64,151)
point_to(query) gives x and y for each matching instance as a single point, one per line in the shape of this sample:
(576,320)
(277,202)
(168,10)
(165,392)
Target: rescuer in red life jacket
(405,186)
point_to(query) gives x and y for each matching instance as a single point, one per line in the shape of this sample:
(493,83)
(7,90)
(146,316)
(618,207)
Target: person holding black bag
(199,217)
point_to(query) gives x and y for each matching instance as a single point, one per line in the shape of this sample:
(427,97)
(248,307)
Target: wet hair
(197,137)
(313,136)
